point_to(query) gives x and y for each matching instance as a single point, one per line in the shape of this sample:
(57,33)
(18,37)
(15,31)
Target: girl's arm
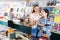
(41,25)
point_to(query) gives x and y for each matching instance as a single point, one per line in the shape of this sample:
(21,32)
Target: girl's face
(43,13)
(36,9)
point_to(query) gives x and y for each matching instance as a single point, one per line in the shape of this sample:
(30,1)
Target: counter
(25,29)
(4,22)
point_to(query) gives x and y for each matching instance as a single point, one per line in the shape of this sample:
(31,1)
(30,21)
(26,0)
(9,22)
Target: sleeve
(51,25)
(49,28)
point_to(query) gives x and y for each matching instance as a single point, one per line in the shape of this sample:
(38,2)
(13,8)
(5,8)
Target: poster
(3,7)
(57,2)
(22,4)
(28,9)
(57,19)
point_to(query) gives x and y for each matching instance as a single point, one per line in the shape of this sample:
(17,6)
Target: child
(49,26)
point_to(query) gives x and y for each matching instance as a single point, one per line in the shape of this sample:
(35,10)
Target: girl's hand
(41,25)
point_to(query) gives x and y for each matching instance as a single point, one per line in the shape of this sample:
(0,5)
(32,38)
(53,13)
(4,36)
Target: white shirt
(34,18)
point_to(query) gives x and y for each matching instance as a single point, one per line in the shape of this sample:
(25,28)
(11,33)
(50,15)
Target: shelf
(55,14)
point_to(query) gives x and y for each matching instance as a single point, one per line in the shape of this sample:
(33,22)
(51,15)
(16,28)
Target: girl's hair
(46,11)
(33,8)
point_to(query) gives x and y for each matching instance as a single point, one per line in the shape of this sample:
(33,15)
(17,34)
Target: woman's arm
(33,22)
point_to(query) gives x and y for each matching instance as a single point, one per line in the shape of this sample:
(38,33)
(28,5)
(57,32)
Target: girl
(46,23)
(34,17)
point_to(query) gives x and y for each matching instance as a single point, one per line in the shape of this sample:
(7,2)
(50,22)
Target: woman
(11,16)
(47,23)
(34,17)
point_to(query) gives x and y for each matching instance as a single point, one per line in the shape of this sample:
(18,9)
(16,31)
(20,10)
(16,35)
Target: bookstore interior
(30,20)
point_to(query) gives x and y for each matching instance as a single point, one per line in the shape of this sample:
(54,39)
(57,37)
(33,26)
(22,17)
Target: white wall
(12,0)
(5,6)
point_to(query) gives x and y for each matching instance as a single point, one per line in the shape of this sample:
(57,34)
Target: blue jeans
(34,31)
(34,38)
(40,31)
(37,32)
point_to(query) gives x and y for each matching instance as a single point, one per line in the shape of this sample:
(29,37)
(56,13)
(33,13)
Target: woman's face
(43,13)
(36,9)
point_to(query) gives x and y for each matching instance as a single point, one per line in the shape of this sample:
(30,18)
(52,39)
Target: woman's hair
(11,9)
(33,8)
(46,11)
